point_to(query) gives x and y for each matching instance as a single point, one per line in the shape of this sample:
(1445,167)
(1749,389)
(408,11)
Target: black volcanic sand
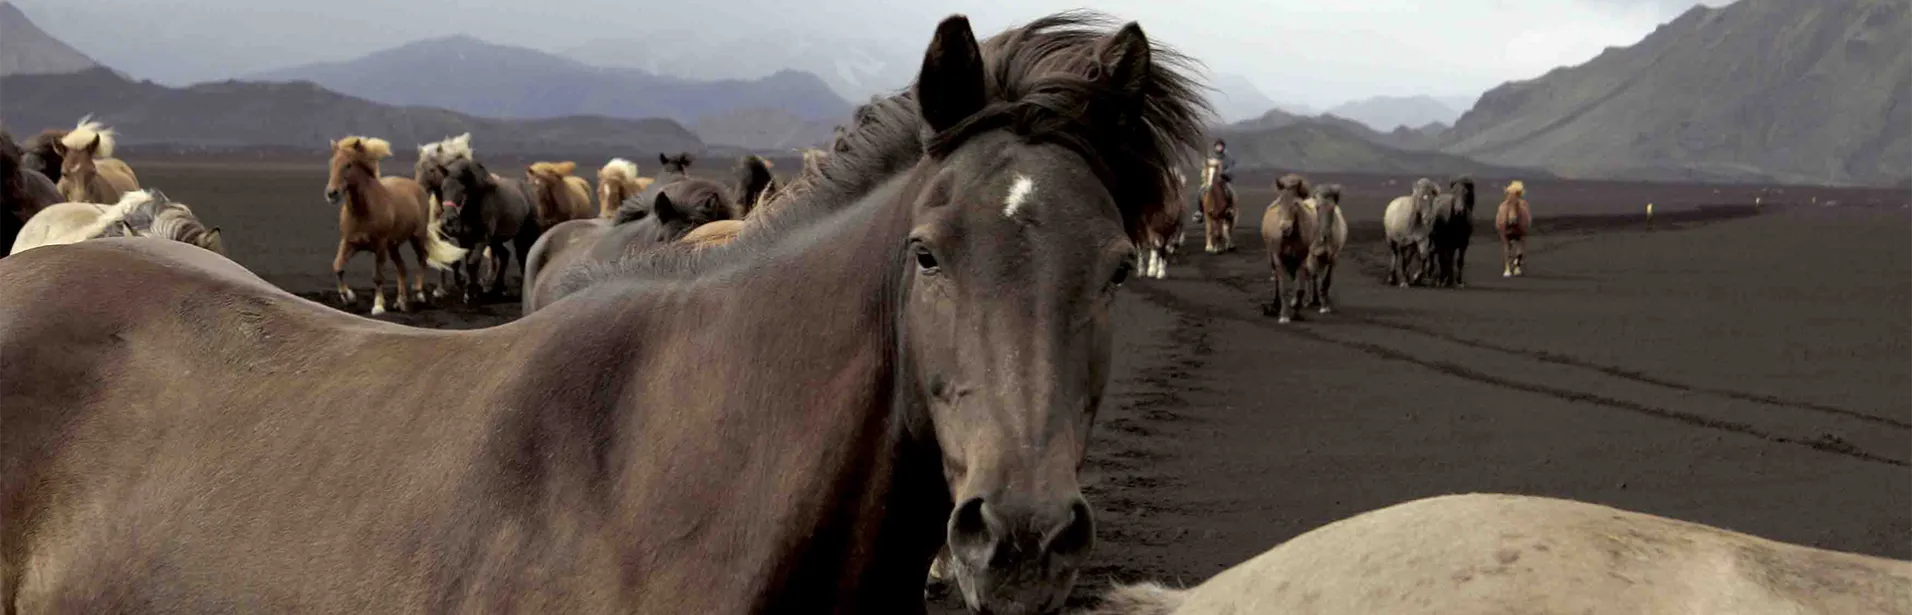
(1737,366)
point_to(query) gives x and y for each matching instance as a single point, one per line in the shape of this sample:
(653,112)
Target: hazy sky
(1313,52)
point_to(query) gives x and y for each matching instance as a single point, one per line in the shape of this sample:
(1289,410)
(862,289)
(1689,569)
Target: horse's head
(43,152)
(354,159)
(463,181)
(548,176)
(77,162)
(1463,190)
(665,221)
(1024,219)
(1291,188)
(675,165)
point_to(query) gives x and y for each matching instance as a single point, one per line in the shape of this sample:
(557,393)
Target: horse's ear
(664,210)
(950,87)
(663,159)
(567,167)
(94,145)
(1126,59)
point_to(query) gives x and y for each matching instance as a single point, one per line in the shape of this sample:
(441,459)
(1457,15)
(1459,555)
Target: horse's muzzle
(332,197)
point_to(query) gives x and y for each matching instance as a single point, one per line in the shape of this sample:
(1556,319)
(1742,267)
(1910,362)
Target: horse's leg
(1506,257)
(379,252)
(1394,263)
(1520,255)
(1287,289)
(404,275)
(1460,266)
(346,296)
(1323,282)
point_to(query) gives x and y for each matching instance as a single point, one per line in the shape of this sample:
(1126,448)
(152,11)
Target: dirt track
(1748,371)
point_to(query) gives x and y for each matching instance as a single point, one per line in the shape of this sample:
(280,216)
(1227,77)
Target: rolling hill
(471,76)
(1391,112)
(1804,92)
(302,116)
(25,49)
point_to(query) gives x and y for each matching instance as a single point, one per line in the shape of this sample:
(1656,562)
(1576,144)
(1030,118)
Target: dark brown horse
(791,423)
(24,191)
(1289,232)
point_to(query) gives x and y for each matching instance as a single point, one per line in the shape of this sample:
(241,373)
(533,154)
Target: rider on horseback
(1220,166)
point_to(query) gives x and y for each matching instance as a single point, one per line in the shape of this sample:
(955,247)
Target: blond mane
(559,169)
(371,147)
(83,135)
(619,169)
(1516,189)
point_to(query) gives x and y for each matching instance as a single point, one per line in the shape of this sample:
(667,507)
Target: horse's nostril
(1076,534)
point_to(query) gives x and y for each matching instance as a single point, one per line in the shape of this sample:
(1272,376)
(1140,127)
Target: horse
(88,171)
(492,213)
(1452,230)
(24,191)
(1498,553)
(1407,223)
(941,351)
(618,180)
(1288,231)
(556,194)
(751,181)
(1218,211)
(377,215)
(42,153)
(675,211)
(1165,233)
(1514,220)
(720,232)
(1332,235)
(140,213)
(429,172)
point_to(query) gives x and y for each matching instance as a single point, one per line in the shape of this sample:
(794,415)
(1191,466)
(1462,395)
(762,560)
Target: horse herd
(901,352)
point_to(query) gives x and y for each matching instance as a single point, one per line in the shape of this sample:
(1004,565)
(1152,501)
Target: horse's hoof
(378,310)
(1326,309)
(1283,320)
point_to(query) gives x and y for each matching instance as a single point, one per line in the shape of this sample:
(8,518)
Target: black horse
(1453,229)
(486,211)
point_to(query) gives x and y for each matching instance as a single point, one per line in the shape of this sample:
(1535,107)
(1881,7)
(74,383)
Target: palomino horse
(24,191)
(1494,553)
(556,194)
(378,214)
(1453,229)
(1514,220)
(88,171)
(1218,211)
(676,210)
(618,180)
(1407,224)
(1289,233)
(1332,235)
(491,214)
(1164,229)
(942,343)
(141,213)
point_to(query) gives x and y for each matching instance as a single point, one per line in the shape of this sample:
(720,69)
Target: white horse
(1325,206)
(1491,553)
(1409,223)
(140,213)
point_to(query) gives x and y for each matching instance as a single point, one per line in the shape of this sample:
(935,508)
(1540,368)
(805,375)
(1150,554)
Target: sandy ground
(1749,368)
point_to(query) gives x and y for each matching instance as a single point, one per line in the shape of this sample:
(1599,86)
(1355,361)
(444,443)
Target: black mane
(1044,82)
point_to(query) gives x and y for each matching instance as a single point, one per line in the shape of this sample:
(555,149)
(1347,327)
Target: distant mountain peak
(25,49)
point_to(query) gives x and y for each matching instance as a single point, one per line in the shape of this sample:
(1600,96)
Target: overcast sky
(1312,52)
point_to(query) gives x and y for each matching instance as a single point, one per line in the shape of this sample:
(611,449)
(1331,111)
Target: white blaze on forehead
(1018,192)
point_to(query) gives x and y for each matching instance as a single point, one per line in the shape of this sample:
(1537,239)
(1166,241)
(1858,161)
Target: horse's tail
(440,252)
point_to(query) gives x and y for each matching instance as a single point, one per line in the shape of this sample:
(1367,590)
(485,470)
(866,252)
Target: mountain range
(1390,112)
(1329,144)
(1785,90)
(472,76)
(853,70)
(25,49)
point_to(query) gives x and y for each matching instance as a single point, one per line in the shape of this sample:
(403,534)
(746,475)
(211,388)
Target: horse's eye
(1122,273)
(925,262)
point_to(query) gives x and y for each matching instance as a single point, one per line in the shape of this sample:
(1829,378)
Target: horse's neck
(364,195)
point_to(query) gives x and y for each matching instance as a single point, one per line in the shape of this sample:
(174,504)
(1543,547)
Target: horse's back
(59,224)
(411,205)
(117,173)
(1506,553)
(555,251)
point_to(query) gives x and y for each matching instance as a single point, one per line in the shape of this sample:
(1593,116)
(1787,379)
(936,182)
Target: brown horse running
(941,341)
(1218,212)
(377,215)
(1514,220)
(88,171)
(556,194)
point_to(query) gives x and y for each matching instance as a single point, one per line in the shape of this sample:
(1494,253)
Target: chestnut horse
(942,339)
(377,215)
(556,194)
(1164,232)
(88,171)
(1497,553)
(1514,220)
(1218,211)
(618,180)
(1289,232)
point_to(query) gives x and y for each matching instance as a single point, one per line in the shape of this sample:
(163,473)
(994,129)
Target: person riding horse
(1218,163)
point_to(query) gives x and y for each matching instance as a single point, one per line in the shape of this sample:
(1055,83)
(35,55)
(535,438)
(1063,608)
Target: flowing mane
(83,135)
(1046,83)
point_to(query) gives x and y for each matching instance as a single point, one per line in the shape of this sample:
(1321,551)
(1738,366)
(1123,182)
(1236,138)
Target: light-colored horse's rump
(1332,235)
(1514,220)
(140,213)
(1493,553)
(89,173)
(1288,232)
(379,214)
(1407,224)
